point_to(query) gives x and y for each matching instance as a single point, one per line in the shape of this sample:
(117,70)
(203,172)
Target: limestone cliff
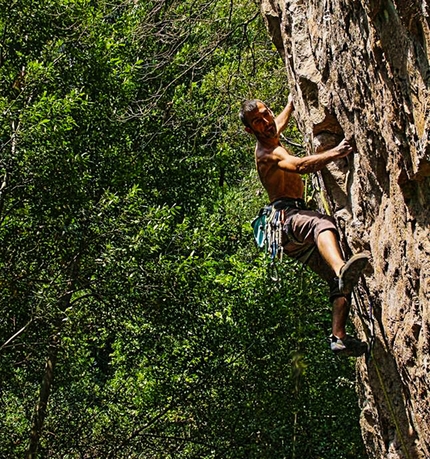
(360,69)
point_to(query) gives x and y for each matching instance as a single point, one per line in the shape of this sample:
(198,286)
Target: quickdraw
(267,227)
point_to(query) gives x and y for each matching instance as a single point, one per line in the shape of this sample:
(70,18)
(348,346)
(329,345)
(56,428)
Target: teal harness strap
(259,228)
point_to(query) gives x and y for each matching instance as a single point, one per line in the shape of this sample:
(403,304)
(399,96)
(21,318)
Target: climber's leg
(328,247)
(340,314)
(311,227)
(349,273)
(327,261)
(340,342)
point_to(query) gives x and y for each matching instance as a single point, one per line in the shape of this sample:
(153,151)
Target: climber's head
(258,119)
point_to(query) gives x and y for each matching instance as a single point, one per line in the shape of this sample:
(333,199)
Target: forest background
(137,316)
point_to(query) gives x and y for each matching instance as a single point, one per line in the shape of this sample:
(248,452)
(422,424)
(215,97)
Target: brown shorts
(301,230)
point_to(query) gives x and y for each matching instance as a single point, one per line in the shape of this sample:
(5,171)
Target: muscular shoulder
(270,155)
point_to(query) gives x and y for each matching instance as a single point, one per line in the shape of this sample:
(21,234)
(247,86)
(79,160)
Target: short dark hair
(247,107)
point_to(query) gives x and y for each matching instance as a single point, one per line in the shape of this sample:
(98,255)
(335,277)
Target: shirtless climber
(307,236)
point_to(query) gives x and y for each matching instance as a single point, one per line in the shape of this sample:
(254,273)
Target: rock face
(360,69)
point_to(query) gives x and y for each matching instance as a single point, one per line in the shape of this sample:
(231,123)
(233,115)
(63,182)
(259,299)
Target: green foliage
(126,256)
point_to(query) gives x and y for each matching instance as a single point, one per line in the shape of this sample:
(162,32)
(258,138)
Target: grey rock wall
(360,69)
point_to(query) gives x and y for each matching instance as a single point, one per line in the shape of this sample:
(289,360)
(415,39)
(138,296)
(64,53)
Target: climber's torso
(278,182)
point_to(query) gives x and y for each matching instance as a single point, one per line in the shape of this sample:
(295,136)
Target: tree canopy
(137,317)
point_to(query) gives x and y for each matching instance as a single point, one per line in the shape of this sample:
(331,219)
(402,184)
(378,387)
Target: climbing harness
(268,229)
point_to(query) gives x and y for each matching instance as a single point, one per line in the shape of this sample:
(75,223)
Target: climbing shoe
(347,346)
(351,272)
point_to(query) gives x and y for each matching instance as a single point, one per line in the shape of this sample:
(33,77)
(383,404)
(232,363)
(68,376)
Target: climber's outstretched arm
(312,163)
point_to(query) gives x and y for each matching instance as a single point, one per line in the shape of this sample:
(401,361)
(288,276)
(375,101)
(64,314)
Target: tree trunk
(48,377)
(45,390)
(360,69)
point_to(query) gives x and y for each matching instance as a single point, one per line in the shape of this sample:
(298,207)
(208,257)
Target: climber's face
(262,122)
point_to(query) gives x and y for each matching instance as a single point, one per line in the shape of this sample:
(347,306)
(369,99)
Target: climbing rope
(391,410)
(369,330)
(368,320)
(290,142)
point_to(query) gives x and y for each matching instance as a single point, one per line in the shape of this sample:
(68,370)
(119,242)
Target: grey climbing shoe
(351,272)
(347,346)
